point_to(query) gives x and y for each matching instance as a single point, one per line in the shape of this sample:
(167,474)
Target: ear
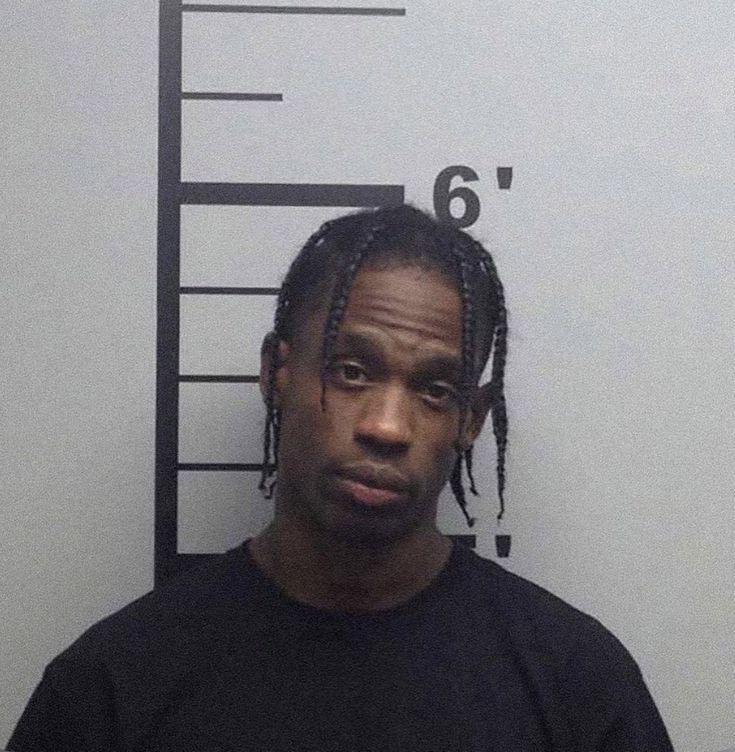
(273,352)
(479,407)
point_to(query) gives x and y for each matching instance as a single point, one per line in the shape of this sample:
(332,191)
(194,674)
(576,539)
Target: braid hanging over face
(325,270)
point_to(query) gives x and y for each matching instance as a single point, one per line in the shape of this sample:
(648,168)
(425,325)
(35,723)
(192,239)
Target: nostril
(393,434)
(380,447)
(386,437)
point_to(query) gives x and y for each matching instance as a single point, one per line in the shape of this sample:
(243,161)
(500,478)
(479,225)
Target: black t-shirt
(222,660)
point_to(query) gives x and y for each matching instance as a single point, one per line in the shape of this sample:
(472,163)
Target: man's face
(369,468)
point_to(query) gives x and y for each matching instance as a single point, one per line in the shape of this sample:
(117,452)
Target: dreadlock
(328,264)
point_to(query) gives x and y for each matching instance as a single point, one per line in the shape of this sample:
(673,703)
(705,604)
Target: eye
(440,393)
(348,372)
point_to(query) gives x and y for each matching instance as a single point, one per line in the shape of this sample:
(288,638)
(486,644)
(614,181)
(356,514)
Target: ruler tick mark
(232,96)
(293,10)
(217,379)
(229,290)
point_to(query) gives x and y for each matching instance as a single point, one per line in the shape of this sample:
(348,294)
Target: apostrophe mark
(505,176)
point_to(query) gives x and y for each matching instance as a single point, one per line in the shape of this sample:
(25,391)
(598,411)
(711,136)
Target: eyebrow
(364,345)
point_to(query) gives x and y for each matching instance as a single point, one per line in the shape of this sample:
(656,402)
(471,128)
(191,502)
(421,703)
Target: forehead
(418,307)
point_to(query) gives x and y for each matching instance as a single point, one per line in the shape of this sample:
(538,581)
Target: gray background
(615,244)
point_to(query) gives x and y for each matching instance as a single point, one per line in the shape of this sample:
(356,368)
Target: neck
(313,568)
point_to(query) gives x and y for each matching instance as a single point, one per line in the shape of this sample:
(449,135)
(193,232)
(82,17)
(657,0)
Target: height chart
(272,119)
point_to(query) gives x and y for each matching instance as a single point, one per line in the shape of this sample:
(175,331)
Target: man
(351,624)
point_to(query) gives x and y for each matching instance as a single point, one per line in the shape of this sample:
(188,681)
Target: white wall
(77,348)
(614,243)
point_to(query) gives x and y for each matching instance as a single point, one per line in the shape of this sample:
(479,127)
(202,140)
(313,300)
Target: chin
(366,528)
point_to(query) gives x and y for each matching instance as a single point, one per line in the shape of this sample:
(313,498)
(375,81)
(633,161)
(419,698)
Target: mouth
(372,486)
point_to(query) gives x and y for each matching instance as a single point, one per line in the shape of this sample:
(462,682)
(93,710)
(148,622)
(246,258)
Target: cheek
(309,433)
(440,451)
(445,457)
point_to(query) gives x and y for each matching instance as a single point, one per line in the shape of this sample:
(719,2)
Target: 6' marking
(444,194)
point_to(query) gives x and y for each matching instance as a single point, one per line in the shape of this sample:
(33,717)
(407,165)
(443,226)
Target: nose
(385,421)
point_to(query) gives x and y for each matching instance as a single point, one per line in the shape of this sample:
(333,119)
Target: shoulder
(542,625)
(579,670)
(189,609)
(129,667)
(587,683)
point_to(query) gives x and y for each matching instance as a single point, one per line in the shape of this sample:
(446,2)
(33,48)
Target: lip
(372,485)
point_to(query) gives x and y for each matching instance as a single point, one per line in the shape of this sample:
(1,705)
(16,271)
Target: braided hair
(326,268)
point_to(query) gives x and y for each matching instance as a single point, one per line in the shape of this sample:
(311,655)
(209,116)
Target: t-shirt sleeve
(638,724)
(71,710)
(609,699)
